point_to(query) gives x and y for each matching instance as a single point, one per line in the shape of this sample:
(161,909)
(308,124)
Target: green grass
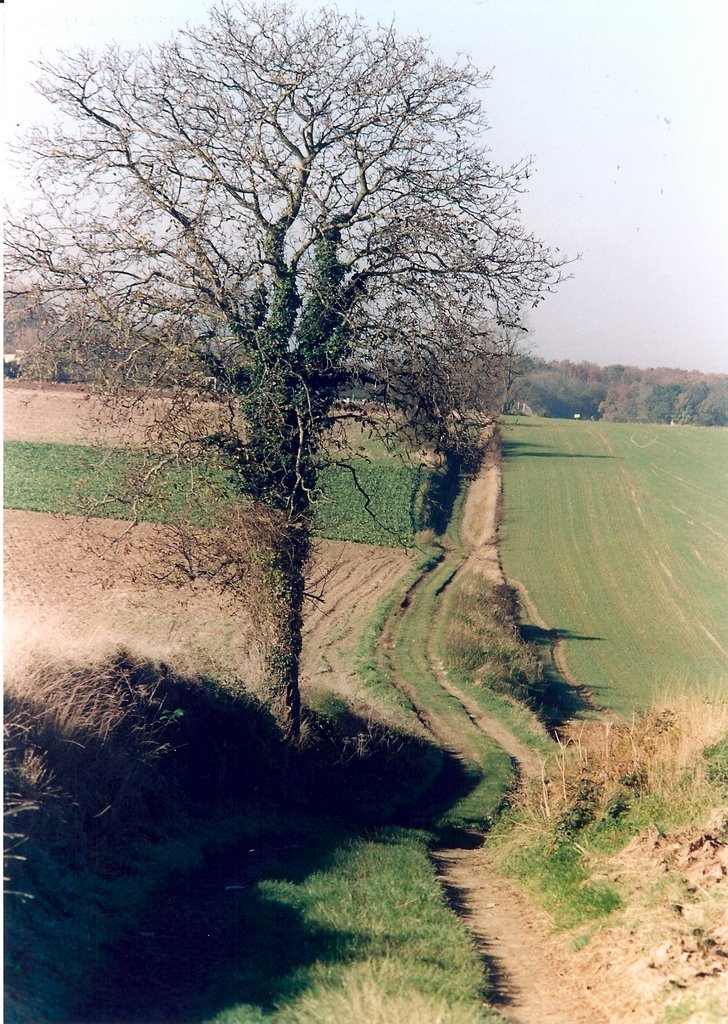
(65,478)
(490,772)
(53,477)
(618,531)
(368,667)
(486,679)
(374,914)
(558,872)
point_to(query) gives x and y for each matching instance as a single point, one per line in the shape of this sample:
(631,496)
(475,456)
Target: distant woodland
(559,389)
(619,393)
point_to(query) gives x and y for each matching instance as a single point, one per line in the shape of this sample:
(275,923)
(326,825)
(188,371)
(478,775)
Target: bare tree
(255,216)
(508,365)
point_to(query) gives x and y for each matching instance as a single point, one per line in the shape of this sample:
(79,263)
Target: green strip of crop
(74,479)
(380,504)
(56,478)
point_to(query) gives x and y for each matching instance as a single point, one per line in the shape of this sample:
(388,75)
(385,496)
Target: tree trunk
(286,642)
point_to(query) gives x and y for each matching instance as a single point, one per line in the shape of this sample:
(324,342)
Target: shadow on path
(213,938)
(564,699)
(235,932)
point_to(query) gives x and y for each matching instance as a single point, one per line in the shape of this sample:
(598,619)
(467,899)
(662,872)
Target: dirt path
(481,515)
(535,980)
(528,763)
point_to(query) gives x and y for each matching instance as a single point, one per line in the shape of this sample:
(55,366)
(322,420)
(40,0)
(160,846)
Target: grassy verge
(118,800)
(490,774)
(614,785)
(370,671)
(486,654)
(376,943)
(486,780)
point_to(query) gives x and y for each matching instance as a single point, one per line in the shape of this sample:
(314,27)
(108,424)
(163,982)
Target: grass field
(620,534)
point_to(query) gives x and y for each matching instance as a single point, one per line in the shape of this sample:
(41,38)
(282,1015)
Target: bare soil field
(65,580)
(56,413)
(66,588)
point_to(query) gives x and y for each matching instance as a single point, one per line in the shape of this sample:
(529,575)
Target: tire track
(506,929)
(557,651)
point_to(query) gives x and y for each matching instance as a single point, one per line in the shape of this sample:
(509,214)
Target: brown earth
(679,883)
(536,978)
(352,579)
(65,585)
(60,414)
(481,515)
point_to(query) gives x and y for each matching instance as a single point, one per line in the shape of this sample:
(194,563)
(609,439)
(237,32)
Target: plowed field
(59,591)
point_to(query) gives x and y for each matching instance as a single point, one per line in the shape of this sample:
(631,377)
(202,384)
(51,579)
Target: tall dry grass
(481,637)
(117,766)
(604,771)
(371,993)
(103,741)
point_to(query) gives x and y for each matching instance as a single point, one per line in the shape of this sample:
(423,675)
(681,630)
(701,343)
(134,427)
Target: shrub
(101,749)
(607,783)
(481,637)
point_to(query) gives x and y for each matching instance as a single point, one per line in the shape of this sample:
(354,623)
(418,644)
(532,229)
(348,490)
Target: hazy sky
(622,105)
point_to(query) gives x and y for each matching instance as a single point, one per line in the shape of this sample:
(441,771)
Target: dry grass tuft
(482,638)
(627,841)
(196,634)
(369,995)
(601,768)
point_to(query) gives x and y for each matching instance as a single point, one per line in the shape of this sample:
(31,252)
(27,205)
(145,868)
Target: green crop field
(388,512)
(620,534)
(380,503)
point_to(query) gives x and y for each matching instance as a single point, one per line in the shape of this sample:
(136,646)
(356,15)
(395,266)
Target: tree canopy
(263,213)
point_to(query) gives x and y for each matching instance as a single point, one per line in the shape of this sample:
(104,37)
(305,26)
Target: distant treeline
(560,389)
(620,393)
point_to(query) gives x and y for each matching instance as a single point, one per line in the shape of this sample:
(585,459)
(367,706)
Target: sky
(621,105)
